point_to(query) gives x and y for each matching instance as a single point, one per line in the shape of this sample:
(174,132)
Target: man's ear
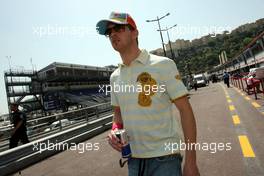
(135,33)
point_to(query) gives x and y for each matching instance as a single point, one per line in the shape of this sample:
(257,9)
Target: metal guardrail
(20,71)
(43,122)
(82,116)
(16,159)
(4,145)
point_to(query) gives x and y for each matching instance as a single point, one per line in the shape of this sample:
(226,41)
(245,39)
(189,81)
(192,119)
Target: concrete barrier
(18,158)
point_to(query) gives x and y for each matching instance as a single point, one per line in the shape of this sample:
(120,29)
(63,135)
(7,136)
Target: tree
(246,41)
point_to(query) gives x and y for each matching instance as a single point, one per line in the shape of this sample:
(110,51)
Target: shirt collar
(142,58)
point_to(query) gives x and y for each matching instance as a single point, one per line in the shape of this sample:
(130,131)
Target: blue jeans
(169,165)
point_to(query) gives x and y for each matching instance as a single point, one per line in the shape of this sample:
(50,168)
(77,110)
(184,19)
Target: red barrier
(252,85)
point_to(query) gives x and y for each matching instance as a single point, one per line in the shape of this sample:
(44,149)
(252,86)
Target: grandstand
(57,86)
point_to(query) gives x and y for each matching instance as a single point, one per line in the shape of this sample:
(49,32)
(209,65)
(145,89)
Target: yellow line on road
(231,107)
(246,146)
(229,100)
(255,104)
(247,98)
(236,119)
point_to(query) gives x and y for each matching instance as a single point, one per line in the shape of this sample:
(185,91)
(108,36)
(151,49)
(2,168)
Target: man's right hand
(114,141)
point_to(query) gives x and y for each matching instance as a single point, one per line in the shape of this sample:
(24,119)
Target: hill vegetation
(203,56)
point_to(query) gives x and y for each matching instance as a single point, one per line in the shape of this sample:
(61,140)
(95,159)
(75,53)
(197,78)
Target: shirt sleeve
(21,117)
(114,99)
(172,80)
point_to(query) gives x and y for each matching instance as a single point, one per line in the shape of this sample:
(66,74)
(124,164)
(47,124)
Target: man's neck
(129,55)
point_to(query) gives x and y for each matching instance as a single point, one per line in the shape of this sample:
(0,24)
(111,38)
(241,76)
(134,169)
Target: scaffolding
(21,88)
(55,87)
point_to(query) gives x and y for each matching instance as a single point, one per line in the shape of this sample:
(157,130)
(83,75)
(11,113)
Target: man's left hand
(190,170)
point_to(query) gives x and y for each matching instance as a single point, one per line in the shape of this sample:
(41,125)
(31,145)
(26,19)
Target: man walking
(226,79)
(19,132)
(146,111)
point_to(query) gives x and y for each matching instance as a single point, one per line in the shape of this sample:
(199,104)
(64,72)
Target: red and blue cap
(116,18)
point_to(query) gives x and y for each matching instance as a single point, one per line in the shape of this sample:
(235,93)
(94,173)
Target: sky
(64,31)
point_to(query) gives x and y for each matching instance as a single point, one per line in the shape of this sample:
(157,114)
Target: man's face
(14,108)
(120,36)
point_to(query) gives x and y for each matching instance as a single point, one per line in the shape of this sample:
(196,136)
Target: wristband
(117,125)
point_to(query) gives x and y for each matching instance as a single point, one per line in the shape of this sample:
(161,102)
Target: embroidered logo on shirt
(147,82)
(144,78)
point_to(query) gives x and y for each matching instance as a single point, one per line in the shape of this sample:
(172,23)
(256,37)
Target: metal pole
(167,29)
(254,57)
(172,55)
(9,62)
(161,37)
(158,19)
(11,79)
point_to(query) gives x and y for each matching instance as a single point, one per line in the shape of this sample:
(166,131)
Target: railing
(256,86)
(41,127)
(18,158)
(19,71)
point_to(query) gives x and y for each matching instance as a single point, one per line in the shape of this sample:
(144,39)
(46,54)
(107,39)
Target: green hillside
(203,56)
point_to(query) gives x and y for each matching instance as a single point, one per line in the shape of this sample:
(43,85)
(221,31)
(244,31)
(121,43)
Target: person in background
(253,82)
(19,133)
(226,79)
(195,85)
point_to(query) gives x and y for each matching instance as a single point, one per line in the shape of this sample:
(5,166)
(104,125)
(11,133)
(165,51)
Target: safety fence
(249,85)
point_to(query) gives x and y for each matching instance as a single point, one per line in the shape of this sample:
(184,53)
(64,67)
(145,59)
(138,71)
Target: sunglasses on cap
(116,28)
